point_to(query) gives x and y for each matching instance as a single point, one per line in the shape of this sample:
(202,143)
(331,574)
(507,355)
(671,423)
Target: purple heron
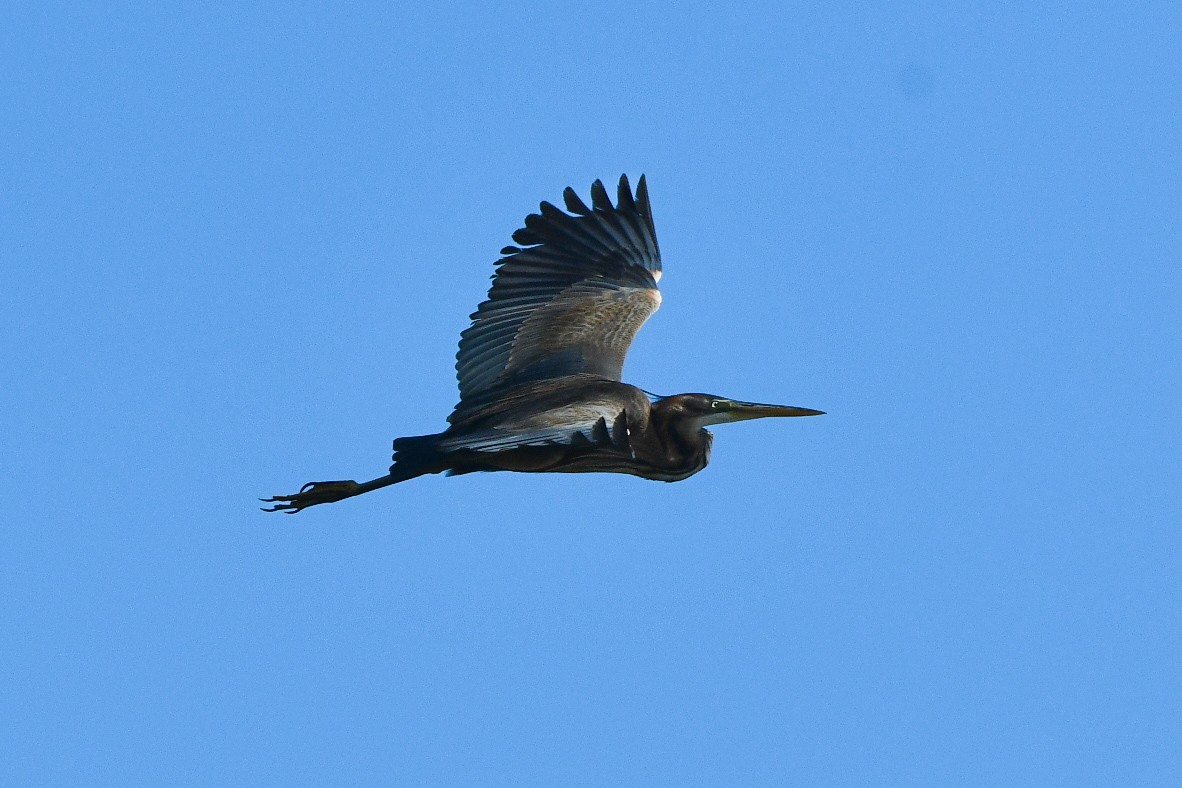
(540,366)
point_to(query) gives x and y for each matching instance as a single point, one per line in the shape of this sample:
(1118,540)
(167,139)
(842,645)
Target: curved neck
(683,443)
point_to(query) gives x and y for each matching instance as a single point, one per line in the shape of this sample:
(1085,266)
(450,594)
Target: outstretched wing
(570,298)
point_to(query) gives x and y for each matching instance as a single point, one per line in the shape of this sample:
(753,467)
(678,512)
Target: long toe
(312,494)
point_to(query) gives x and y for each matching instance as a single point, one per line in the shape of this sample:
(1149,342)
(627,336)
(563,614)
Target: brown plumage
(539,368)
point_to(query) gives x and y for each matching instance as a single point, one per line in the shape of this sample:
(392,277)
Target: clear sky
(239,243)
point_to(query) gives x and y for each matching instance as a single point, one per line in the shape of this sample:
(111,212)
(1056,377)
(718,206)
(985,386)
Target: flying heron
(540,366)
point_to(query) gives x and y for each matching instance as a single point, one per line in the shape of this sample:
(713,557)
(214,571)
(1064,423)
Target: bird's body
(540,367)
(573,424)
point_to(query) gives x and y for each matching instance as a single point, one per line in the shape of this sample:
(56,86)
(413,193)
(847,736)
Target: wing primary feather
(570,229)
(538,226)
(624,200)
(525,237)
(550,211)
(645,208)
(614,222)
(573,203)
(599,197)
(595,230)
(552,219)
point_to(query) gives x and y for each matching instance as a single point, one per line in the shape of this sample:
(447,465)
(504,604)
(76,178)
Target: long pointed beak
(741,411)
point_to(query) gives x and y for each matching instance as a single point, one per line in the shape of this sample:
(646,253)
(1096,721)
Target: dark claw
(311,494)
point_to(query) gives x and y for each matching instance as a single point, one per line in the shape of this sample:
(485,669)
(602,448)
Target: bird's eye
(716,404)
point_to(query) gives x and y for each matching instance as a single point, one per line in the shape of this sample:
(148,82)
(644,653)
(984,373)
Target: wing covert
(574,426)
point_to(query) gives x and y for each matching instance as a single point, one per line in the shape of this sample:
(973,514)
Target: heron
(540,365)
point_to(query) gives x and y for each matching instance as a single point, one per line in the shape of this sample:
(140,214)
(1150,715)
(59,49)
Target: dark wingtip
(573,203)
(526,237)
(642,196)
(551,212)
(599,197)
(624,194)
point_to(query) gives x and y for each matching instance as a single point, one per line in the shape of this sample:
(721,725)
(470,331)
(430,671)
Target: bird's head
(703,410)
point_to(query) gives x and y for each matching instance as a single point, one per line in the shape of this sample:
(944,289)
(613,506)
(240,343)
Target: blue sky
(240,243)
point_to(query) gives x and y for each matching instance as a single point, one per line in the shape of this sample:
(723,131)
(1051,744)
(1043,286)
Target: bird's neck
(682,442)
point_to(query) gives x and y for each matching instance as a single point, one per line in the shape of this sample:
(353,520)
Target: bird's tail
(416,455)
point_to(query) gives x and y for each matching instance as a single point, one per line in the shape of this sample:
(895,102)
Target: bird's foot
(311,494)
